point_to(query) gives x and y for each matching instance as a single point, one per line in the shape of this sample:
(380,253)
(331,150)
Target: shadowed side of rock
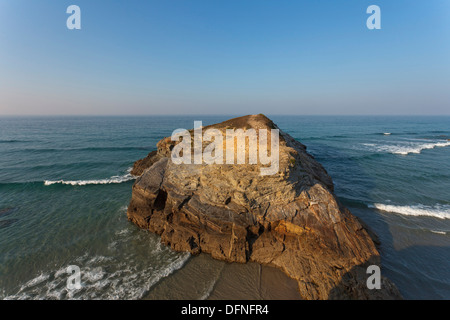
(290,220)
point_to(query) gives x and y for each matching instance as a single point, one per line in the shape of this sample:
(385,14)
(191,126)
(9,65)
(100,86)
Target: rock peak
(255,121)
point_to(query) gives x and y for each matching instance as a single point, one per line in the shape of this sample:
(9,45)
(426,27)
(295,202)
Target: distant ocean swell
(82,149)
(13,141)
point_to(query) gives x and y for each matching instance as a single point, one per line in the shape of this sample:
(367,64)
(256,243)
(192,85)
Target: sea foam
(437,211)
(128,282)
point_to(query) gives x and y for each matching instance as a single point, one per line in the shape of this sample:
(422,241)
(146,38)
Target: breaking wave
(113,179)
(127,282)
(437,211)
(115,274)
(438,232)
(405,149)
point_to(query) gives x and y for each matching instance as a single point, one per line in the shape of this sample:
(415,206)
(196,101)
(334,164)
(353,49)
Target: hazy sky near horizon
(224,57)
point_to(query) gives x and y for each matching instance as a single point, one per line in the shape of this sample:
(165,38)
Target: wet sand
(205,278)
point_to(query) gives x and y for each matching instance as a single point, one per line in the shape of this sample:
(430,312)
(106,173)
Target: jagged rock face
(291,219)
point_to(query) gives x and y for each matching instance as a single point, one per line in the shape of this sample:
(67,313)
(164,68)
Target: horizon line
(219,114)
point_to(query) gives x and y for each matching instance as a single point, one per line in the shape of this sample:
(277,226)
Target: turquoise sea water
(65,186)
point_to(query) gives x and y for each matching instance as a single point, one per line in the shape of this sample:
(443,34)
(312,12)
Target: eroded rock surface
(291,220)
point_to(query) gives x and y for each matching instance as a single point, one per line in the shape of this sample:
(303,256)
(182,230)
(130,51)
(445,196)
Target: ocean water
(65,186)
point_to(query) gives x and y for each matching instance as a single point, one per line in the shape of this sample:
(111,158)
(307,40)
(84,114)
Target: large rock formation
(291,220)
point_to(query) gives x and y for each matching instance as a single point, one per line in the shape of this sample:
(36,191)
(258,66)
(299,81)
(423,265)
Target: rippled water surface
(65,186)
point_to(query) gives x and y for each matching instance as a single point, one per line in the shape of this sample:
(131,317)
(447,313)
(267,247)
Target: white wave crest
(111,180)
(438,232)
(405,149)
(437,211)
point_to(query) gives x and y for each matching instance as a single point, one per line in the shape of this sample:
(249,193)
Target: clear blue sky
(224,57)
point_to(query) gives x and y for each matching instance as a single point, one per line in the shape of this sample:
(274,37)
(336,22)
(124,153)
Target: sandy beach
(205,278)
